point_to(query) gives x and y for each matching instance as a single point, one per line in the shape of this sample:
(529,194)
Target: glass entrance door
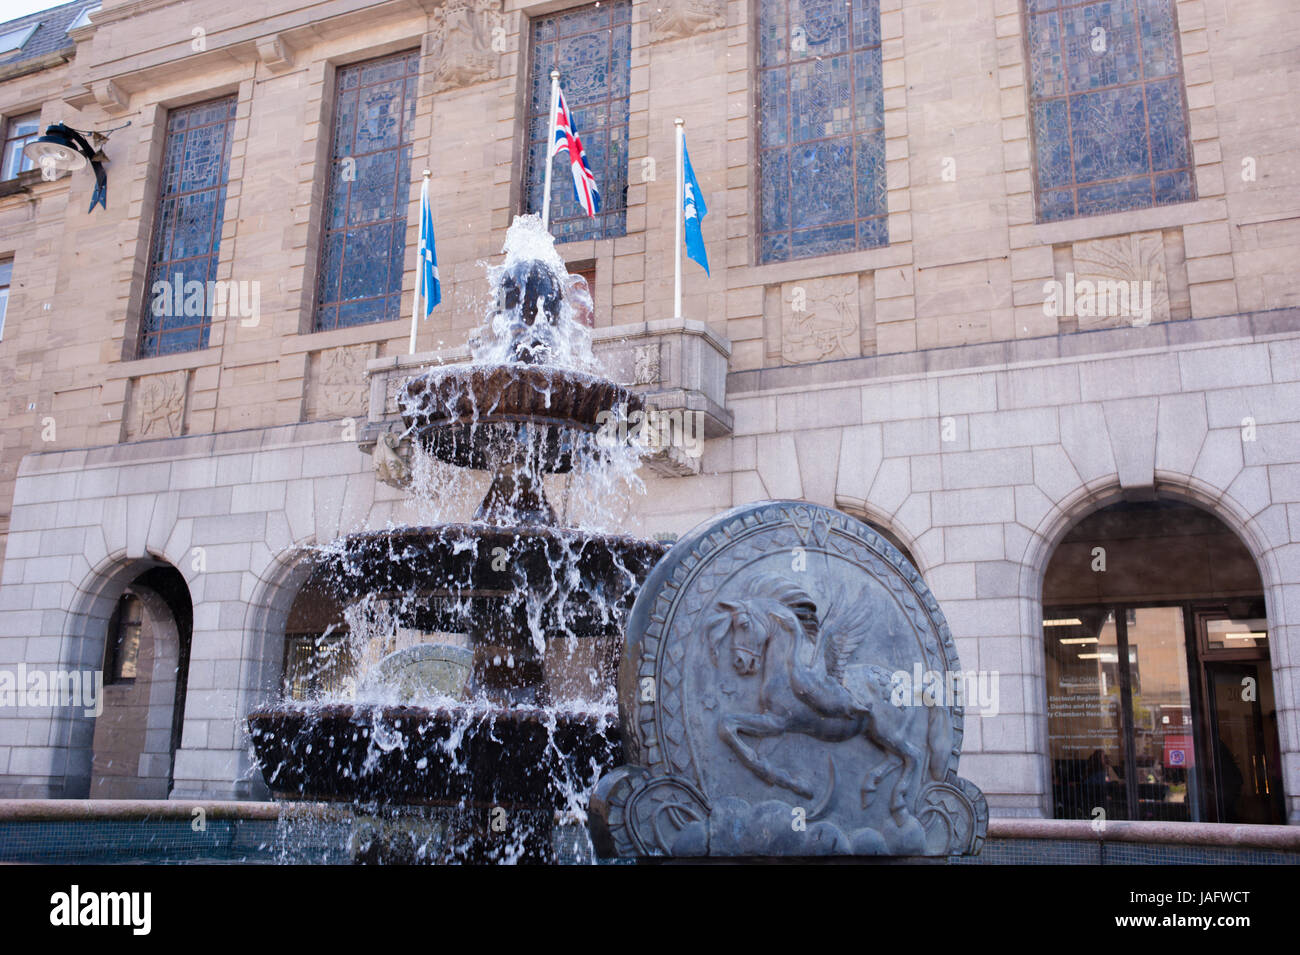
(1163,711)
(1243,742)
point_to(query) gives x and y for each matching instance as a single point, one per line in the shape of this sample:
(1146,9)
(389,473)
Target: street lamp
(64,149)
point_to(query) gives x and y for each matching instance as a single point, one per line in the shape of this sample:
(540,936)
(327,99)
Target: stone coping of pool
(1284,838)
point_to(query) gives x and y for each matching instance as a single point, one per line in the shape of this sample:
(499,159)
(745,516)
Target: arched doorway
(1159,687)
(146,669)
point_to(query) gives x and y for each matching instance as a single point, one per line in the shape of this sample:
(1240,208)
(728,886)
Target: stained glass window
(1109,121)
(363,250)
(821,132)
(592,48)
(187,228)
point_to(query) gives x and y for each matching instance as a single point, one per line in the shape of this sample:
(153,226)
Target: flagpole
(419,261)
(550,150)
(681,211)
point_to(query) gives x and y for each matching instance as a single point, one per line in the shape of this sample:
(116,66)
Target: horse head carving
(768,603)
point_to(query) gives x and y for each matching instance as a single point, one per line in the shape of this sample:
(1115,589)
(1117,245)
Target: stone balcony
(678,364)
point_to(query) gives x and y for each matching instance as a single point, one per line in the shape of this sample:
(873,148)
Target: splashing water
(535,597)
(529,248)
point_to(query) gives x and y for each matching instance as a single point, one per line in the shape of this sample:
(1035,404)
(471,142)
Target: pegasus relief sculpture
(773,630)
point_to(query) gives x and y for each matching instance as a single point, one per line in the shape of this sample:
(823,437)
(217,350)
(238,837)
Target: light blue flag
(428,255)
(694,209)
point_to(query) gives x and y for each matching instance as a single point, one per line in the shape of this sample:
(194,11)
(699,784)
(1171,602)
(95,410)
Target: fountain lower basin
(446,755)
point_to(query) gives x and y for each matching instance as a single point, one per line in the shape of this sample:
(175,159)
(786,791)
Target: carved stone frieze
(1118,280)
(819,320)
(337,387)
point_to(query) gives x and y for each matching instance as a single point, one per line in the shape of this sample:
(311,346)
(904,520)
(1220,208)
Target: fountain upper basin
(467,415)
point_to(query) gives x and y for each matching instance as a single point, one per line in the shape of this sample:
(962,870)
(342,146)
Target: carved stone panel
(645,364)
(635,364)
(461,43)
(392,387)
(1117,281)
(819,320)
(672,19)
(157,406)
(789,687)
(337,384)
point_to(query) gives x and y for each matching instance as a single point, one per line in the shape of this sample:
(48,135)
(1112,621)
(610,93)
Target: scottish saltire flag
(567,141)
(693,210)
(428,255)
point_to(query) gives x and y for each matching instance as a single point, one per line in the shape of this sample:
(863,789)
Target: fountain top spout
(537,308)
(529,296)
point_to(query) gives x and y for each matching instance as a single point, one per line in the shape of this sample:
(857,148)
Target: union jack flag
(567,141)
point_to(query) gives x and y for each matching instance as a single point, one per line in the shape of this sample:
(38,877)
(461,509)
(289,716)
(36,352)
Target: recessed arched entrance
(145,668)
(1159,686)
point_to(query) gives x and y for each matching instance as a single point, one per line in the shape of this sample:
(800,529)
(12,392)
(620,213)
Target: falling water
(528,598)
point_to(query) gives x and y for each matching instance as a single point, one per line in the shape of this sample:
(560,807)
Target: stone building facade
(928,383)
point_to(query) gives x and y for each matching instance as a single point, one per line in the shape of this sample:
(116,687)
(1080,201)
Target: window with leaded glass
(592,48)
(821,128)
(187,228)
(1106,96)
(363,249)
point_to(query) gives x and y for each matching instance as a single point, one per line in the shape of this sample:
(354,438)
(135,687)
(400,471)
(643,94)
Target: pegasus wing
(843,632)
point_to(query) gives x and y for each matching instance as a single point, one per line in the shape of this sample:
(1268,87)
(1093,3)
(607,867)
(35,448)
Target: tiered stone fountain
(537,608)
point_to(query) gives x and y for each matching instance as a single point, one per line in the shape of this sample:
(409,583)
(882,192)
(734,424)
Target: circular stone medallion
(789,687)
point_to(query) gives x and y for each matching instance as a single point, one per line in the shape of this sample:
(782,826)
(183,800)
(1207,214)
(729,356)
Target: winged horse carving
(773,630)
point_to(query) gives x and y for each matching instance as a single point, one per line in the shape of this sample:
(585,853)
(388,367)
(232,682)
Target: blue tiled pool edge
(325,841)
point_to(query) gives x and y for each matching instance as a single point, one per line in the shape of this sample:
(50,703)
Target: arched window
(1106,94)
(146,669)
(821,135)
(317,659)
(1159,688)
